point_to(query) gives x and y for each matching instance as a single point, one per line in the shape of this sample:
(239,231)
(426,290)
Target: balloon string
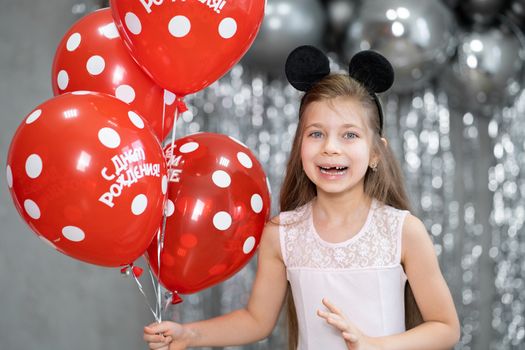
(160,238)
(163,113)
(179,103)
(167,302)
(139,285)
(154,284)
(162,231)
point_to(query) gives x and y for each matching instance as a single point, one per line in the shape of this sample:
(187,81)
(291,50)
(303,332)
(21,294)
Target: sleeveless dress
(362,276)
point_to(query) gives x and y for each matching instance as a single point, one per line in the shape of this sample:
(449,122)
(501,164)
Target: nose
(331,146)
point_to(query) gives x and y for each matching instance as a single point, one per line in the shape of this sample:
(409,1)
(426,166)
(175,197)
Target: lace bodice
(377,244)
(362,276)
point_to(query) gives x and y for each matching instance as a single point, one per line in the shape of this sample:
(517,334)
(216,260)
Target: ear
(374,158)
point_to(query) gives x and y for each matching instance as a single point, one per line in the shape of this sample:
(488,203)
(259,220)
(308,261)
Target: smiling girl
(345,245)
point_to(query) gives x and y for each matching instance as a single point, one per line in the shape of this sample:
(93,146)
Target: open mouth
(333,170)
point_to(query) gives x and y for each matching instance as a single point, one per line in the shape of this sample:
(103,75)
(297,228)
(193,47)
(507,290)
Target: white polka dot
(164,184)
(227,28)
(222,220)
(34,166)
(73,233)
(221,178)
(62,80)
(125,93)
(239,142)
(9,176)
(256,203)
(170,208)
(179,26)
(95,65)
(109,137)
(189,147)
(136,119)
(73,42)
(169,97)
(248,245)
(133,23)
(32,209)
(245,160)
(139,204)
(110,31)
(81,92)
(33,116)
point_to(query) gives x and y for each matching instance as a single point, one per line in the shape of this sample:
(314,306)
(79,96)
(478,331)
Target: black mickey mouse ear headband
(306,65)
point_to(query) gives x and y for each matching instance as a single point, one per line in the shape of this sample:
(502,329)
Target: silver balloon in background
(451,3)
(487,69)
(340,13)
(516,12)
(286,25)
(417,36)
(482,11)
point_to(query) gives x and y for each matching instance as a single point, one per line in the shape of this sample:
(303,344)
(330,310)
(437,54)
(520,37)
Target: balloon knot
(137,271)
(181,106)
(176,299)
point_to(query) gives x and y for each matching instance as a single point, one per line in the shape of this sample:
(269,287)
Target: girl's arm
(441,328)
(247,325)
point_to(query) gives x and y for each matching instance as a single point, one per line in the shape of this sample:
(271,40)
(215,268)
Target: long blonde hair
(386,184)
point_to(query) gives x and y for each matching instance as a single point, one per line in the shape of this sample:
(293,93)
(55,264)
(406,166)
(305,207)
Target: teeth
(334,167)
(325,171)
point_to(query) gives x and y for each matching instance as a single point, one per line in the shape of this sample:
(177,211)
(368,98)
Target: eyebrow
(344,126)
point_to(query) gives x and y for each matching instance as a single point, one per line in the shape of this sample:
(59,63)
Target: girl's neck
(338,206)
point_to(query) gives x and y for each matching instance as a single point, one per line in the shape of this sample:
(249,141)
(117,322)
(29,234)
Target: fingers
(156,338)
(349,337)
(158,327)
(335,321)
(331,307)
(158,346)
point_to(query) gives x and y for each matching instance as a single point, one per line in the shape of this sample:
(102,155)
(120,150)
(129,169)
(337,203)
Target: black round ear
(372,70)
(305,66)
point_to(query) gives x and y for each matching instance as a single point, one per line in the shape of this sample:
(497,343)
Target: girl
(344,245)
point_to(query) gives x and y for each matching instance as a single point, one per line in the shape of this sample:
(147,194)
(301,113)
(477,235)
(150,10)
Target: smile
(333,170)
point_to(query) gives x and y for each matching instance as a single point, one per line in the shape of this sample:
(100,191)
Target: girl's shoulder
(270,239)
(414,234)
(294,216)
(389,208)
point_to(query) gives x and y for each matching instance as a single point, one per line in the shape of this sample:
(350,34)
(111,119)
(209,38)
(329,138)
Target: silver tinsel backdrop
(455,119)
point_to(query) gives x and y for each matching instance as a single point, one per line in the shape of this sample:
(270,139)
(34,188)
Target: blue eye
(350,135)
(315,134)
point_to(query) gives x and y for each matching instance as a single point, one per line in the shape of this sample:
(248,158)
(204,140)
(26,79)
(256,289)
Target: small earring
(373,166)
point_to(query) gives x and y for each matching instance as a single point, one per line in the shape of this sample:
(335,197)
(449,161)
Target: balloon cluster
(87,171)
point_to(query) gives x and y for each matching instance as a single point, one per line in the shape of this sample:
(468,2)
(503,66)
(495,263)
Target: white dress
(362,276)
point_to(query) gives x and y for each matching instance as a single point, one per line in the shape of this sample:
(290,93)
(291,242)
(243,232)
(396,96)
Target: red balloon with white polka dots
(92,56)
(185,45)
(218,203)
(89,177)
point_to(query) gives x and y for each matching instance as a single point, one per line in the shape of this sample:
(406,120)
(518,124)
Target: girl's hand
(354,338)
(166,335)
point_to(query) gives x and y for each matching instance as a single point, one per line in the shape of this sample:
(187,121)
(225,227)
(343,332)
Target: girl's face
(336,148)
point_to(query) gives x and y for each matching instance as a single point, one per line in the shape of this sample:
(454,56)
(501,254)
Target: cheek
(306,151)
(362,153)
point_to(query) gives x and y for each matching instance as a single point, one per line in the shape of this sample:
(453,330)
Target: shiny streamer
(507,182)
